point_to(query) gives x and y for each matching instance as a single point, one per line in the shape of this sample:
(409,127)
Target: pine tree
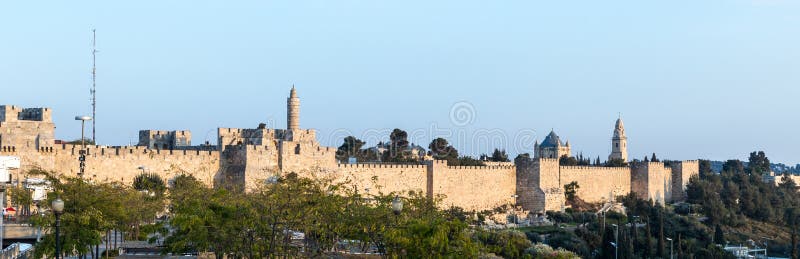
(661,245)
(648,248)
(645,159)
(719,236)
(607,248)
(654,159)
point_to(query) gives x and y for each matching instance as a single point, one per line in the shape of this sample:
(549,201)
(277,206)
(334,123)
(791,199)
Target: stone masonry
(245,158)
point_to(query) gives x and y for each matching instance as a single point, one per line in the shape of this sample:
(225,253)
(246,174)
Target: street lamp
(58,208)
(397,205)
(514,209)
(82,156)
(670,248)
(143,168)
(615,249)
(616,239)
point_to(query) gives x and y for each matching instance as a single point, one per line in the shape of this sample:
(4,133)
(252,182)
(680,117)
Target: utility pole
(93,91)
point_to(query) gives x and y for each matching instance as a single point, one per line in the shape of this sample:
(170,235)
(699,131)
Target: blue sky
(693,79)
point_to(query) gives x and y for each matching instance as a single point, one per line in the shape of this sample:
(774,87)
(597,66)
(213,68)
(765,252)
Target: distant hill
(778,168)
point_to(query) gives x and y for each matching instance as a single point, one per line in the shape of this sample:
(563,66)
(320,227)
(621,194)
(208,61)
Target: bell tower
(619,142)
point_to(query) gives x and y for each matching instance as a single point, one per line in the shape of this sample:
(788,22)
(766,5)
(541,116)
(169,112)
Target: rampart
(652,180)
(468,187)
(682,171)
(597,184)
(245,158)
(122,163)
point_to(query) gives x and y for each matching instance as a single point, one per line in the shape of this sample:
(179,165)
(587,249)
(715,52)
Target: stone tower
(619,143)
(293,110)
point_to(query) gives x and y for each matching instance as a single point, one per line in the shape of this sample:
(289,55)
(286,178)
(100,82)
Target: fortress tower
(293,111)
(619,143)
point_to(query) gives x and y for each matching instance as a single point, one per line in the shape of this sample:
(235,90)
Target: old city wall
(297,156)
(475,187)
(248,166)
(383,178)
(652,180)
(468,187)
(597,184)
(537,185)
(681,173)
(122,163)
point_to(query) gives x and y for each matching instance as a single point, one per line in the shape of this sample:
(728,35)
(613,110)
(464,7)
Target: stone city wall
(122,163)
(652,180)
(383,178)
(682,171)
(475,187)
(597,184)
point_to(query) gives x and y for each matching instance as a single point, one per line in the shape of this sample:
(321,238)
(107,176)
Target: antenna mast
(93,90)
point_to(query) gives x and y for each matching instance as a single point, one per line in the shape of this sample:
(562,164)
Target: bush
(505,243)
(569,241)
(545,251)
(559,217)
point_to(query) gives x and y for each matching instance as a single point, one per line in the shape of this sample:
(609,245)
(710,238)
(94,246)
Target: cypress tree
(648,248)
(608,249)
(719,236)
(661,250)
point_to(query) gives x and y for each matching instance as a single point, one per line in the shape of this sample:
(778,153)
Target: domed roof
(552,140)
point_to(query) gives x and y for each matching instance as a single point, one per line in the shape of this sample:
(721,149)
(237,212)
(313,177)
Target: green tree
(758,163)
(616,162)
(733,166)
(570,190)
(704,168)
(398,147)
(567,161)
(719,236)
(499,156)
(442,150)
(351,147)
(654,158)
(150,183)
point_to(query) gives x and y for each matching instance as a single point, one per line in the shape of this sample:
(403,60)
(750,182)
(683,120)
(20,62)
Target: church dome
(552,140)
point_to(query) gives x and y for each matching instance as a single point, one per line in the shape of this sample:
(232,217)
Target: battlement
(596,169)
(9,113)
(381,166)
(106,151)
(485,167)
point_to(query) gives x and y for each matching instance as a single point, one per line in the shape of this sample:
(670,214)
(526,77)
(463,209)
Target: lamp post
(616,240)
(397,205)
(143,168)
(58,208)
(82,156)
(670,248)
(514,209)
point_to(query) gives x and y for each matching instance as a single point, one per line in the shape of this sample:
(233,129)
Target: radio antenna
(93,91)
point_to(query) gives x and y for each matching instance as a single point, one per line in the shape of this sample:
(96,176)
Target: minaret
(293,110)
(619,143)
